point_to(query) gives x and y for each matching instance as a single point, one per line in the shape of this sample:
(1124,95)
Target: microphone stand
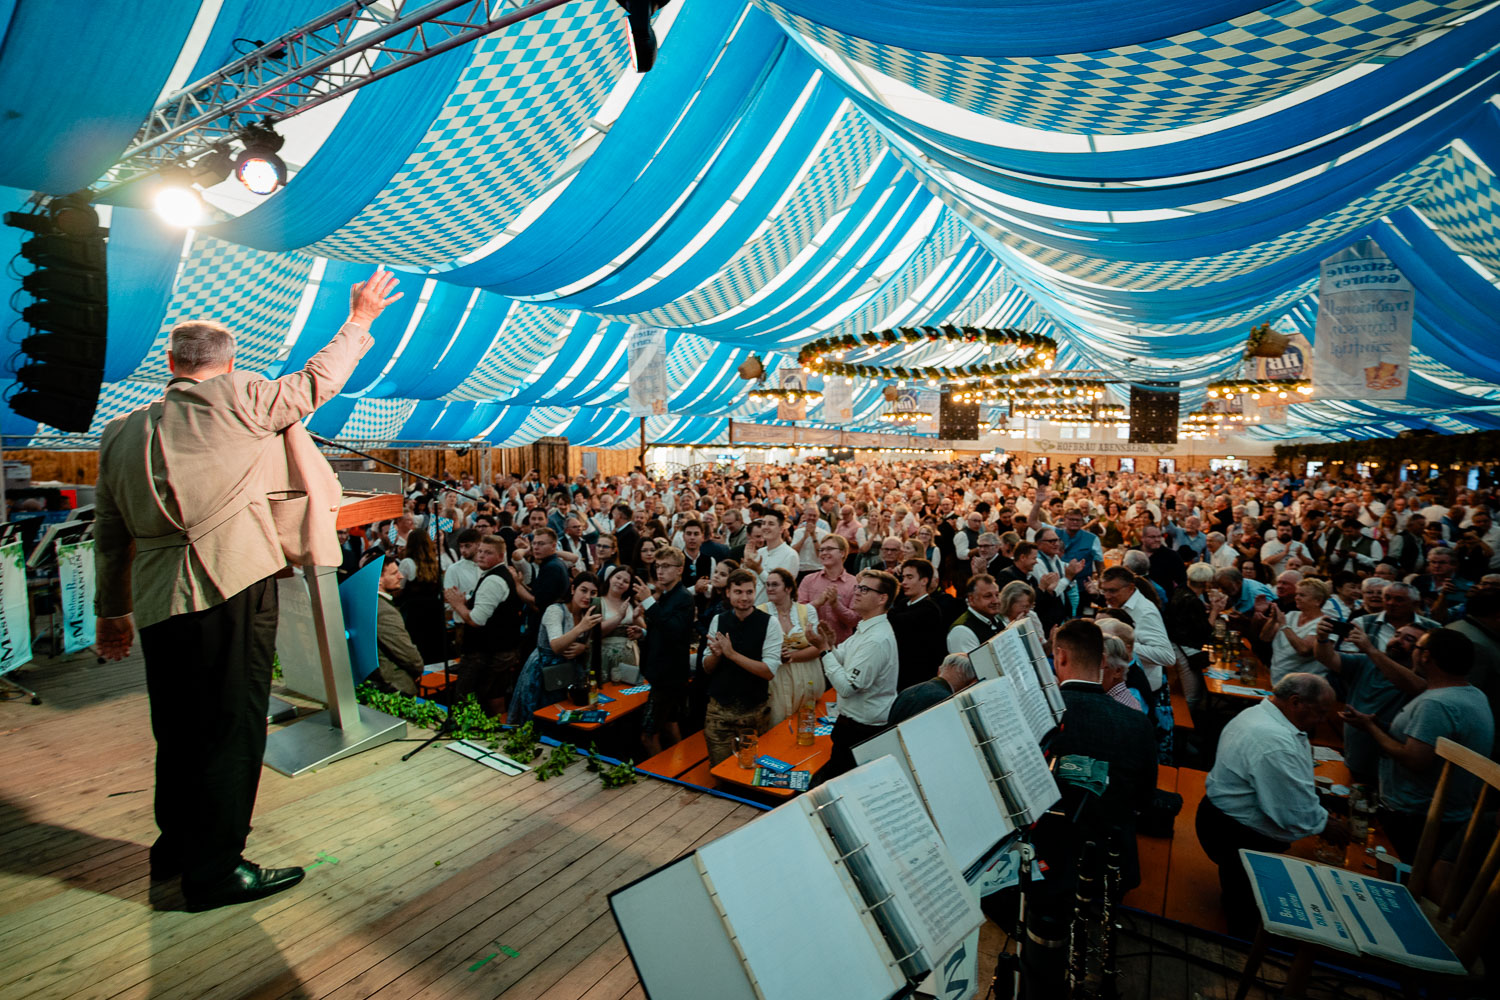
(446,729)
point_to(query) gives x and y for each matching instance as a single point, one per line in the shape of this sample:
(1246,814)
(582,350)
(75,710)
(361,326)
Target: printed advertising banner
(647,358)
(838,400)
(75,567)
(792,378)
(1362,348)
(15,609)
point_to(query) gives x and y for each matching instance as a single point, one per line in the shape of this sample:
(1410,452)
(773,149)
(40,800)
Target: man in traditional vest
(492,614)
(744,653)
(980,621)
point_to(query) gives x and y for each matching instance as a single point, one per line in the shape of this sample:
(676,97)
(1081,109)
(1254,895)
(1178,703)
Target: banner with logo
(1362,348)
(921,401)
(15,609)
(75,568)
(647,371)
(792,378)
(838,400)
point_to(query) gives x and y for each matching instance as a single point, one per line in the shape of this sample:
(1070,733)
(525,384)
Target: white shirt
(1224,558)
(492,593)
(463,575)
(770,651)
(1153,650)
(1293,548)
(807,548)
(1263,776)
(961,638)
(863,669)
(782,556)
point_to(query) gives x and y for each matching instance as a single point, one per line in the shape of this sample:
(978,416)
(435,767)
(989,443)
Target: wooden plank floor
(444,868)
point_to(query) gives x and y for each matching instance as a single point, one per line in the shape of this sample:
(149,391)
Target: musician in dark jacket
(664,659)
(1095,725)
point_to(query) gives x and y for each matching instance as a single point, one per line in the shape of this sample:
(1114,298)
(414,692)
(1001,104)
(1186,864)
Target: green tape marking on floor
(483,960)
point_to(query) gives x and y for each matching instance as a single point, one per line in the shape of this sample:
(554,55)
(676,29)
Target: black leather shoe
(247,882)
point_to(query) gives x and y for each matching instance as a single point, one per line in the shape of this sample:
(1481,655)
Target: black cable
(390,465)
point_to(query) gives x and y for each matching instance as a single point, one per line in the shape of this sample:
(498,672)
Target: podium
(346,727)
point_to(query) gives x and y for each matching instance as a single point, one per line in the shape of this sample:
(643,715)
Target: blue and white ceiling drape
(1143,183)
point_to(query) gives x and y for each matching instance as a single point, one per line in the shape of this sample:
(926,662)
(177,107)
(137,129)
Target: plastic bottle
(807,717)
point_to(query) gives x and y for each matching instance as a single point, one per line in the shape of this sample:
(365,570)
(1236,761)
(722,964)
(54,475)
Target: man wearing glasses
(862,670)
(1052,574)
(831,590)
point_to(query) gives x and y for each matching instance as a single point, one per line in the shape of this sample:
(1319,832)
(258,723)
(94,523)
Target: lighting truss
(355,44)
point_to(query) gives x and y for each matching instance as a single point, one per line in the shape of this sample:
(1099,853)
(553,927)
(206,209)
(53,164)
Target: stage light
(175,200)
(212,167)
(639,33)
(72,215)
(258,167)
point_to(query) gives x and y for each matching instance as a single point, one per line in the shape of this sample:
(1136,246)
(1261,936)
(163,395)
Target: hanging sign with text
(1362,348)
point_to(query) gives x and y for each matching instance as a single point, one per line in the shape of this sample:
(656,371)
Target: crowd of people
(736,591)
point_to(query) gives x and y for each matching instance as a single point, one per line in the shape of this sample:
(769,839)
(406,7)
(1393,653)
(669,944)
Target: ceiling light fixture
(258,167)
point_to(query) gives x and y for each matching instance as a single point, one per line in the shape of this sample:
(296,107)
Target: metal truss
(355,44)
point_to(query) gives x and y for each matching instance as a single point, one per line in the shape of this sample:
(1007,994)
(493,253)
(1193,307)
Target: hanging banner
(922,401)
(15,609)
(75,568)
(792,378)
(838,400)
(647,371)
(1362,347)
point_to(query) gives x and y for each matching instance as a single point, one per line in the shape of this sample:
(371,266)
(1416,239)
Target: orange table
(780,741)
(1261,680)
(622,705)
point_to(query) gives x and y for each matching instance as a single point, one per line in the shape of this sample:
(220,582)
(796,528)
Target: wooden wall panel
(80,468)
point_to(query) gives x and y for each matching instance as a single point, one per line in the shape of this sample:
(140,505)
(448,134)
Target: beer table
(622,705)
(1358,858)
(780,741)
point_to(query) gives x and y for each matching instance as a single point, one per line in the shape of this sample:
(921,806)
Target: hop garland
(826,354)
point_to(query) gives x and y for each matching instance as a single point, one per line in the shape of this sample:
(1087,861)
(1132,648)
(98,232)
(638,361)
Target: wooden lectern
(346,727)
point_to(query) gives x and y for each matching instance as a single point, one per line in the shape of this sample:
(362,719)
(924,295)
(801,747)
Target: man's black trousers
(209,677)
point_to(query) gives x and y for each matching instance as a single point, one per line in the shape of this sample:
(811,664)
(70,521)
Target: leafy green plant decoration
(470,722)
(611,775)
(521,744)
(557,762)
(427,714)
(276,668)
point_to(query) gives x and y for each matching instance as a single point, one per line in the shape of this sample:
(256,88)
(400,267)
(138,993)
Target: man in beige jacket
(186,548)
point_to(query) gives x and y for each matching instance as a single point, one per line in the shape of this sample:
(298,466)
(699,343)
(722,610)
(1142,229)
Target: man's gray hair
(1137,562)
(1308,687)
(1216,536)
(988,538)
(1396,587)
(1116,653)
(1200,572)
(199,344)
(960,664)
(1375,583)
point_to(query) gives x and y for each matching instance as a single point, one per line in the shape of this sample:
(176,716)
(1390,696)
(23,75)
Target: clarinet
(1109,970)
(1081,934)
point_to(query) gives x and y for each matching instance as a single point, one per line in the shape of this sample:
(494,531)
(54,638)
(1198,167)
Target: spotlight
(176,201)
(72,215)
(258,167)
(212,167)
(639,33)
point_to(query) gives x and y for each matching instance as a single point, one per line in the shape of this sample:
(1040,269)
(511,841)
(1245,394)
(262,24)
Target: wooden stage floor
(441,864)
(443,869)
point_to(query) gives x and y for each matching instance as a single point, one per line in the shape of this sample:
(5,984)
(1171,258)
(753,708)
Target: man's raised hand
(368,299)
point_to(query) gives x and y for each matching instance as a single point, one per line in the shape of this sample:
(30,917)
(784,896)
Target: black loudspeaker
(957,421)
(59,381)
(1153,413)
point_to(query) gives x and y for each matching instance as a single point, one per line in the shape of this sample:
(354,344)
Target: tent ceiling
(1142,188)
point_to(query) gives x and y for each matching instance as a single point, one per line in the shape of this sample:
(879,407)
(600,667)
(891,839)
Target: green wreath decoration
(768,395)
(825,355)
(1255,388)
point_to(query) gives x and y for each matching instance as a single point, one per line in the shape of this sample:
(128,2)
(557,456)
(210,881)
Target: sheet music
(882,810)
(954,783)
(1002,728)
(796,916)
(1384,920)
(1015,660)
(1045,677)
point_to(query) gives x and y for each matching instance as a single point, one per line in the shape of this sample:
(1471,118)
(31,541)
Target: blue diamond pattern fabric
(252,292)
(1189,78)
(530,333)
(516,114)
(1463,203)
